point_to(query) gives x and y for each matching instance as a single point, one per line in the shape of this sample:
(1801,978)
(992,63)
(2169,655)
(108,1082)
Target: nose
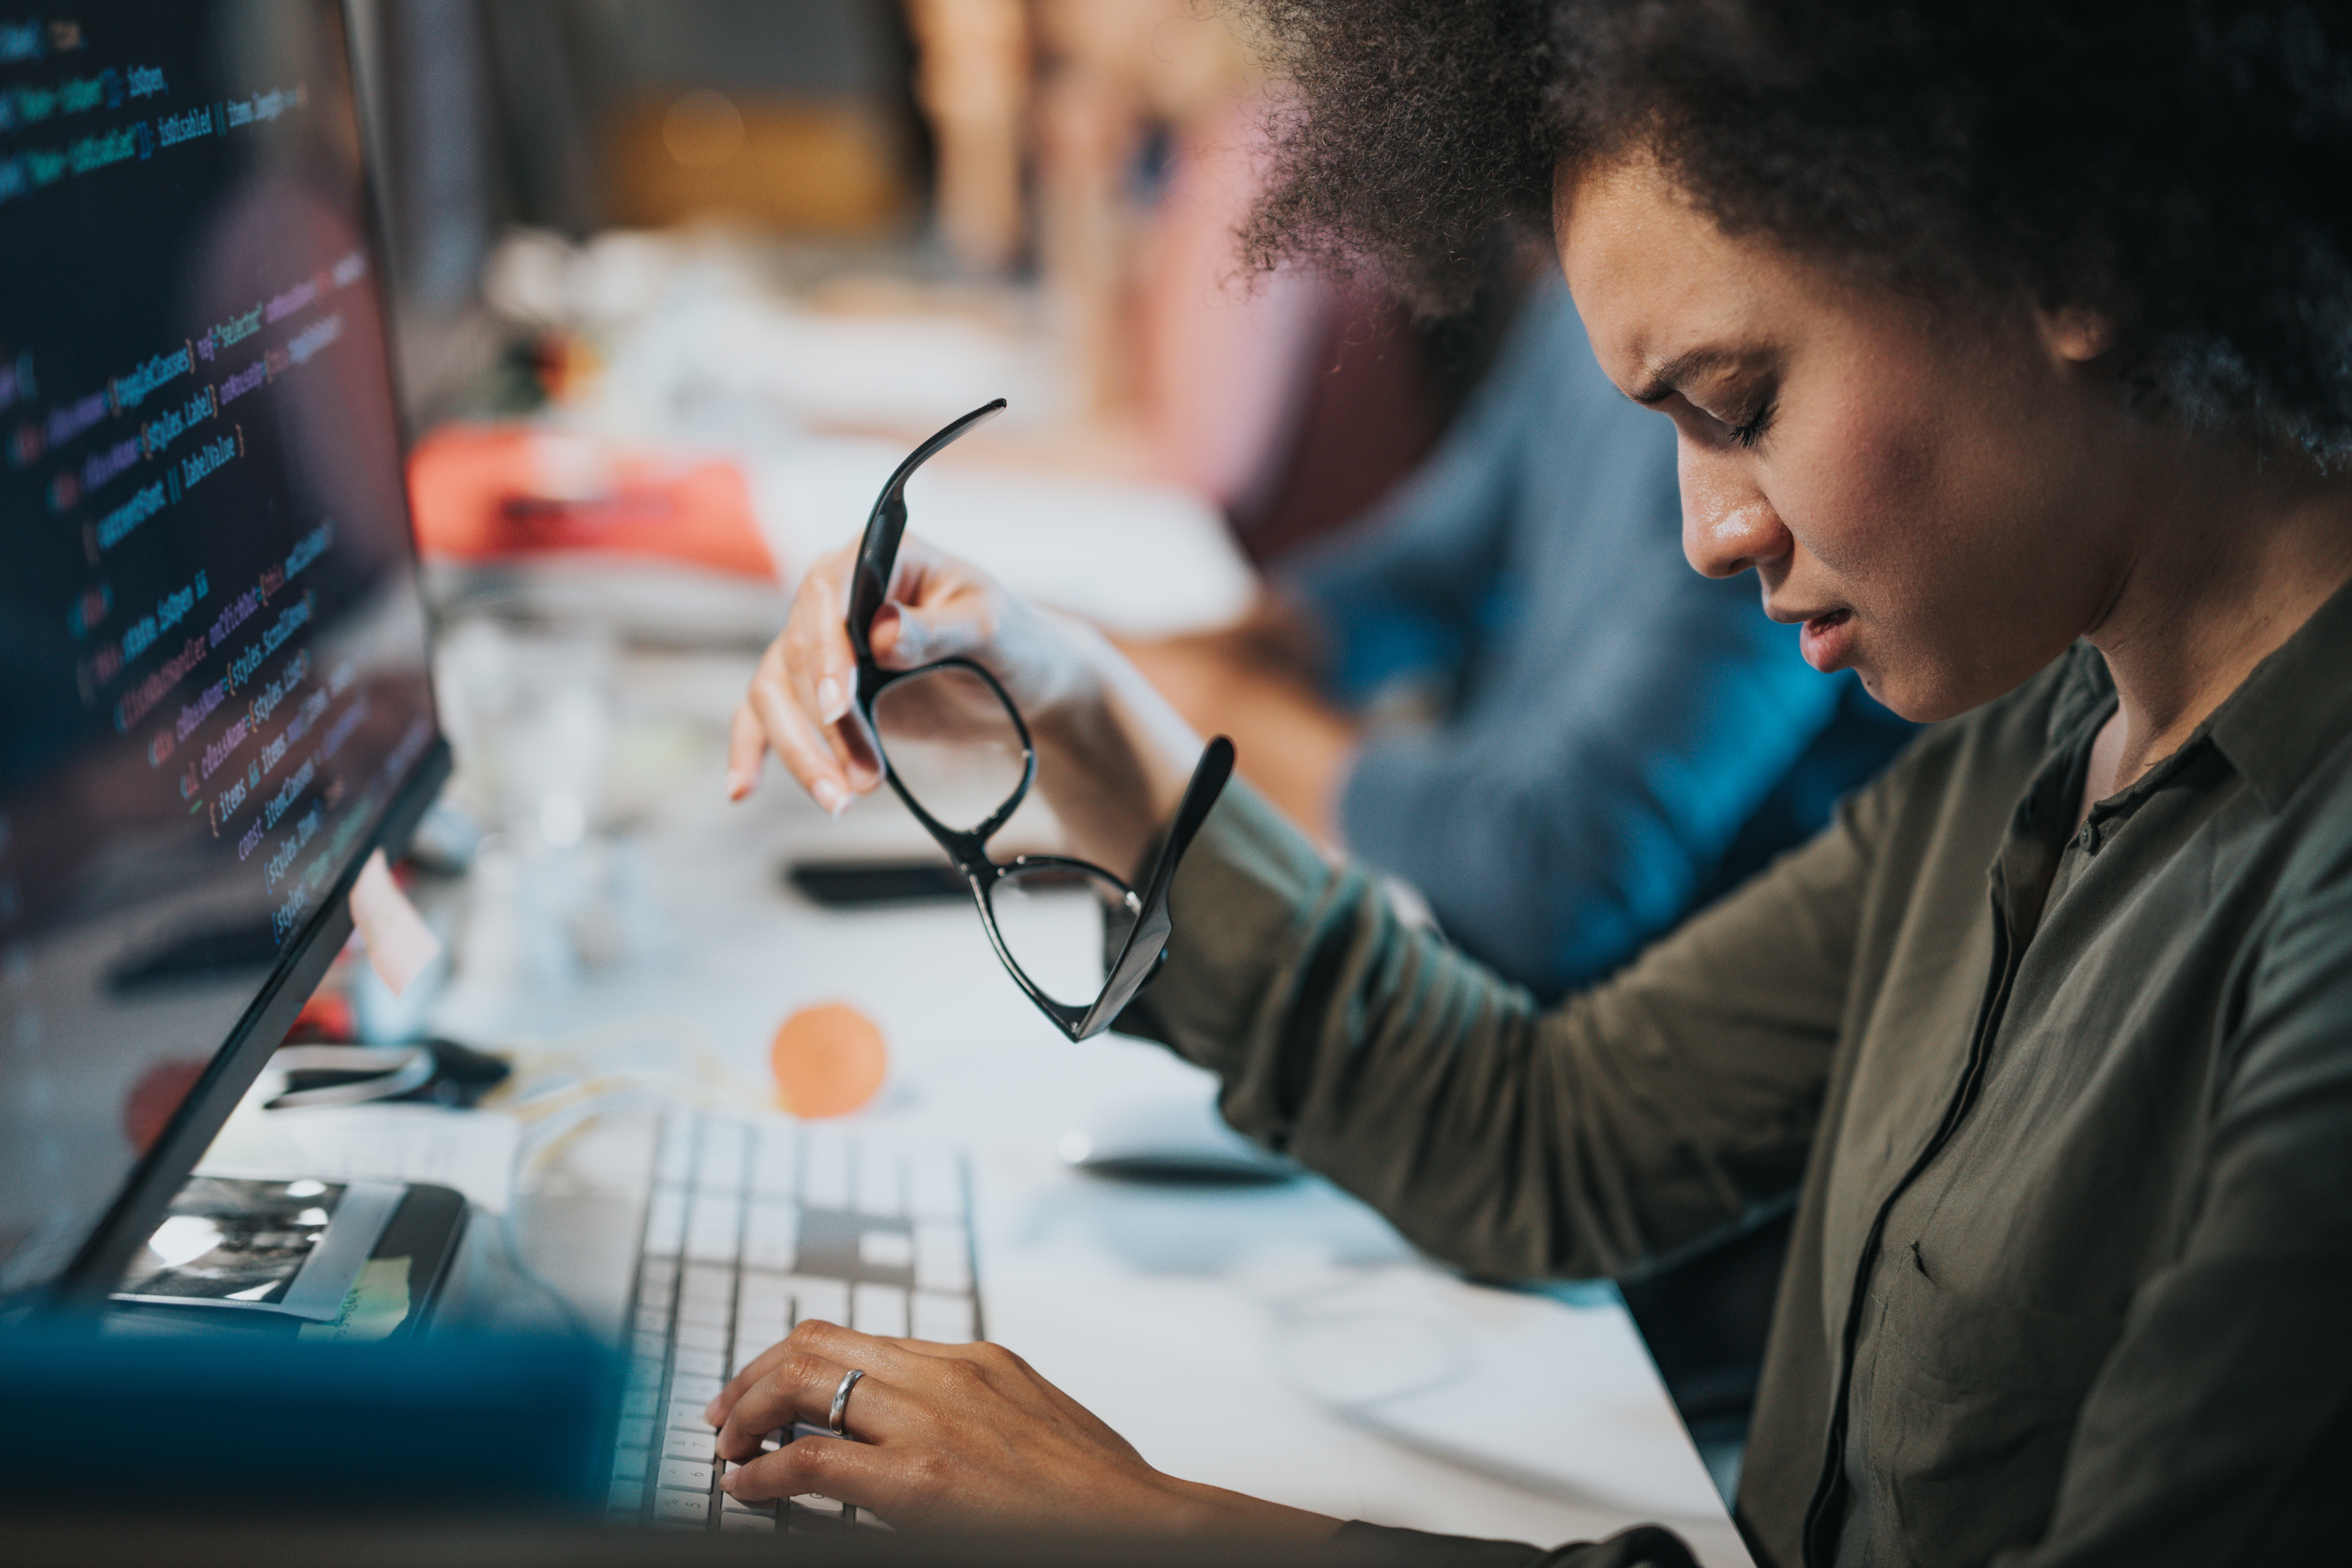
(1728,525)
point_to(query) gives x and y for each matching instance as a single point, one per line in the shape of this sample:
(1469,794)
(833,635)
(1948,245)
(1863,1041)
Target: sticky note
(399,943)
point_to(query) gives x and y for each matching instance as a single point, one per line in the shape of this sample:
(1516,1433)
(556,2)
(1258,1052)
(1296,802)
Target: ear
(2075,334)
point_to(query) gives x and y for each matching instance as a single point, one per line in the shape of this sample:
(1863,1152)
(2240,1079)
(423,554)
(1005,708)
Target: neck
(2233,558)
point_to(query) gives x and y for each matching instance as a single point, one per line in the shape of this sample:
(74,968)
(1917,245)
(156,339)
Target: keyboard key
(816,1504)
(665,1223)
(714,1227)
(724,1157)
(626,1496)
(636,1434)
(934,1186)
(629,1464)
(640,1402)
(881,1190)
(826,1299)
(880,1249)
(763,1306)
(696,1442)
(702,1336)
(946,1319)
(746,1352)
(942,1257)
(648,1347)
(711,1314)
(688,1474)
(729,1503)
(824,1168)
(700,1389)
(759,1333)
(758,1523)
(682,1508)
(673,1156)
(656,1283)
(880,1309)
(776,1160)
(654,1318)
(772,1235)
(702,1363)
(684,1413)
(707,1282)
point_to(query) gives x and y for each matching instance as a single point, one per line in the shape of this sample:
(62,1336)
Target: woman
(2012,348)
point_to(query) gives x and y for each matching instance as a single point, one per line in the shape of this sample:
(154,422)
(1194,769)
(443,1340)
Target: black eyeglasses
(956,750)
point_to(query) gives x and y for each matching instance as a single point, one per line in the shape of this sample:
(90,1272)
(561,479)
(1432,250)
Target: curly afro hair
(2182,167)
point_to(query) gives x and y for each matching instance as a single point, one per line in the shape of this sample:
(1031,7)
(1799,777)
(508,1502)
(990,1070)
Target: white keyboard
(751,1227)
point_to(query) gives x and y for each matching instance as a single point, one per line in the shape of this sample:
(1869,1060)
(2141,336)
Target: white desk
(1278,1341)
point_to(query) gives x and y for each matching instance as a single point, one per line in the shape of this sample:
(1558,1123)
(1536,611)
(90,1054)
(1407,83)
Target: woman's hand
(959,1435)
(1113,757)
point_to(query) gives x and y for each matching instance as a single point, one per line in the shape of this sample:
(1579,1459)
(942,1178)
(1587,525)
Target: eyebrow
(1670,377)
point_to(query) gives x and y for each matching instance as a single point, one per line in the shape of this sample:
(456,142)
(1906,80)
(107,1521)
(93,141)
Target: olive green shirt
(2067,1118)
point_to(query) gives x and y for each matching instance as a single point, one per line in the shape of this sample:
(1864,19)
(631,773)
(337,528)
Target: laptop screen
(212,666)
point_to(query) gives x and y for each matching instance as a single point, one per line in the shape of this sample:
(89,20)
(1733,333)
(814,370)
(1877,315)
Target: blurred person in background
(1292,405)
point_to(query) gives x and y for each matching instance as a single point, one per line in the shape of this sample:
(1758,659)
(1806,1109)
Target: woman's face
(1942,502)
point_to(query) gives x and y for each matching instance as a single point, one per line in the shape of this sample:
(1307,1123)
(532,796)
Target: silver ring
(841,1401)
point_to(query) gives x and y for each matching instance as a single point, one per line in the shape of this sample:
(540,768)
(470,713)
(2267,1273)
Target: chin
(1907,695)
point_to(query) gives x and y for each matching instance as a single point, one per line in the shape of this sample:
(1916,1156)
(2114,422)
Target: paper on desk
(1552,1397)
(472,1151)
(399,943)
(1140,560)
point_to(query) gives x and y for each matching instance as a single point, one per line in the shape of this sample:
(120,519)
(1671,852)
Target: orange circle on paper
(828,1059)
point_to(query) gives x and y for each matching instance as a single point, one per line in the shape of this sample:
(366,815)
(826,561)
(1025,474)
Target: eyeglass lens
(952,743)
(1050,921)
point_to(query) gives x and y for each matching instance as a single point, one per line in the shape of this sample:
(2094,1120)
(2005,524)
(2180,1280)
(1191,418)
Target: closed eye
(1752,431)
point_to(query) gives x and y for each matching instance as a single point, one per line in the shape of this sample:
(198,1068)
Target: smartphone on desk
(864,884)
(861,884)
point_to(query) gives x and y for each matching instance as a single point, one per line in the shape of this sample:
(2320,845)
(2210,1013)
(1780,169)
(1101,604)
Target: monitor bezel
(84,1283)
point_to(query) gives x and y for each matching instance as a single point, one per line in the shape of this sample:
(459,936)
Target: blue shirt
(1624,738)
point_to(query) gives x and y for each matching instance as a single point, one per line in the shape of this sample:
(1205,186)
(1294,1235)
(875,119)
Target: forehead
(1655,279)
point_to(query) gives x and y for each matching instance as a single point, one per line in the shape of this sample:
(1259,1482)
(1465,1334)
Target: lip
(1827,639)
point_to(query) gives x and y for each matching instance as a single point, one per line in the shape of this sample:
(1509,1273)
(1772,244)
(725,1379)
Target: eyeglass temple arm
(1134,965)
(885,525)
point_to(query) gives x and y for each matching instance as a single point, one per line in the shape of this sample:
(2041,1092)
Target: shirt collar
(2295,708)
(2273,730)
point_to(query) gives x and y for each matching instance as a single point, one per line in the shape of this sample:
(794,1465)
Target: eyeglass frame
(877,559)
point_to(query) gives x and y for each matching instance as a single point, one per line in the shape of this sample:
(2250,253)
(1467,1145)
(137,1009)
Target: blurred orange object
(829,1060)
(483,491)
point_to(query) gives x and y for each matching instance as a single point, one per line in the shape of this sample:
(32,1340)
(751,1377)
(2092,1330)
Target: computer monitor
(213,694)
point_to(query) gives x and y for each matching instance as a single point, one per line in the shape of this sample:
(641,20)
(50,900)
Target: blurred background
(1049,186)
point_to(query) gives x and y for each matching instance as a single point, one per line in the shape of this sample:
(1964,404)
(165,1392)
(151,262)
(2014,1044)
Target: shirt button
(2089,838)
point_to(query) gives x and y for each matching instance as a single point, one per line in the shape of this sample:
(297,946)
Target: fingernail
(710,1414)
(737,787)
(830,700)
(831,795)
(905,633)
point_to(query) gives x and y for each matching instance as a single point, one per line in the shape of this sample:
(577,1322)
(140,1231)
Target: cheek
(1867,497)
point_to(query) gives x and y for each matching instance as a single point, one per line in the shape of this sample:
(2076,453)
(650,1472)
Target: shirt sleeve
(1586,1140)
(2220,1430)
